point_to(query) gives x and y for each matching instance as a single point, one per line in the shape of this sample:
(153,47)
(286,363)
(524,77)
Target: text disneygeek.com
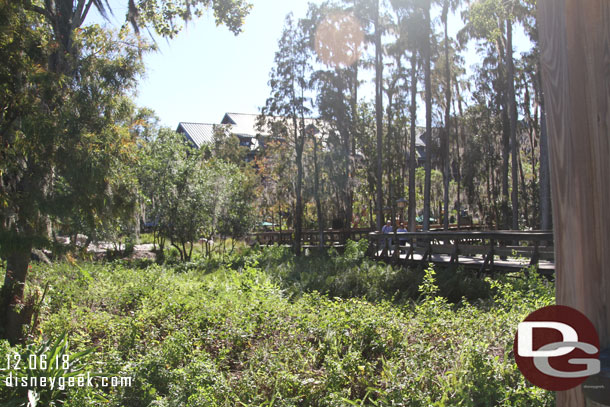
(61,383)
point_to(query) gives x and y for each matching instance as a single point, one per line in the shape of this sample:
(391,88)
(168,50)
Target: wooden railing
(309,238)
(332,237)
(486,250)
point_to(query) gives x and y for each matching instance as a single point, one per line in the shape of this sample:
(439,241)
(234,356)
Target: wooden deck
(485,251)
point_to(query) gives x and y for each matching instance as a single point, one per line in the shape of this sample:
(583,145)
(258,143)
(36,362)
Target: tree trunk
(428,97)
(13,316)
(525,193)
(390,144)
(503,223)
(298,223)
(316,191)
(445,146)
(460,135)
(574,38)
(512,112)
(354,130)
(412,151)
(379,114)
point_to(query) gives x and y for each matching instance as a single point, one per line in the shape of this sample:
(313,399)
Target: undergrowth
(268,329)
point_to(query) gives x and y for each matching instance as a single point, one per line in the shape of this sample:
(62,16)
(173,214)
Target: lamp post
(401,204)
(386,212)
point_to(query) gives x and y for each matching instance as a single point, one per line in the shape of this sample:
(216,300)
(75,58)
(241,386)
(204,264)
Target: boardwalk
(485,251)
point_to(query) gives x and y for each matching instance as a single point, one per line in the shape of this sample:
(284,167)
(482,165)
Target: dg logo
(557,348)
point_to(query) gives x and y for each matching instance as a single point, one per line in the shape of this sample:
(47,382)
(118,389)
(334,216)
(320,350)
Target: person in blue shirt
(387,228)
(403,240)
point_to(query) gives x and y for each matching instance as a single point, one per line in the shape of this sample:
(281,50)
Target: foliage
(52,361)
(71,163)
(66,152)
(190,197)
(233,337)
(289,99)
(166,16)
(226,147)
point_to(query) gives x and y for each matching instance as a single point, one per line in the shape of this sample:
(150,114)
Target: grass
(271,330)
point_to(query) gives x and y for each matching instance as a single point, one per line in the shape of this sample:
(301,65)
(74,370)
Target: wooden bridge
(484,251)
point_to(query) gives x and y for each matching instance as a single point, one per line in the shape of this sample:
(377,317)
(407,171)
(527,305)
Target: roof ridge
(212,124)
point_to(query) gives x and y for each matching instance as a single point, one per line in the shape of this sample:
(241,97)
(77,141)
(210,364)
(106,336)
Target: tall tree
(411,22)
(489,21)
(428,99)
(446,133)
(290,82)
(62,153)
(512,113)
(412,143)
(379,111)
(531,24)
(338,37)
(73,81)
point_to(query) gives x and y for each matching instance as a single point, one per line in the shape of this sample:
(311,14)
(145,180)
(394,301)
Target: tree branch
(27,4)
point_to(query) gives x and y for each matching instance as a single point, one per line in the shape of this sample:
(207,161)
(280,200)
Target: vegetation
(67,152)
(272,329)
(269,327)
(188,197)
(492,163)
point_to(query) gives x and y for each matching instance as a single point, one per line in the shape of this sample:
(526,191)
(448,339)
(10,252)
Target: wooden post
(575,60)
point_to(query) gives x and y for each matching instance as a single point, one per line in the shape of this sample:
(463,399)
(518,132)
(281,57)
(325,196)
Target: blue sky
(207,71)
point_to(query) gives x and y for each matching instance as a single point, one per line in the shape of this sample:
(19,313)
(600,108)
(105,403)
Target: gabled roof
(419,138)
(242,124)
(198,133)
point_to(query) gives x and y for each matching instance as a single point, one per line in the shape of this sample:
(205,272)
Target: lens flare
(338,39)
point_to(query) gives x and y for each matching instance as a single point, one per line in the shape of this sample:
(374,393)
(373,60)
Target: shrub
(259,332)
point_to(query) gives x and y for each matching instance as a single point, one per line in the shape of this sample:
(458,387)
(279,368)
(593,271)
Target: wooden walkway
(484,251)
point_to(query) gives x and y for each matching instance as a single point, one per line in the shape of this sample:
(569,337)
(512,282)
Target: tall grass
(269,329)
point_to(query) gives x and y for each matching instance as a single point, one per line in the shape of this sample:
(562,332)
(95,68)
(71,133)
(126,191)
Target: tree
(228,196)
(379,112)
(172,183)
(338,39)
(491,21)
(65,17)
(190,197)
(428,98)
(512,113)
(289,84)
(411,20)
(446,136)
(63,153)
(68,87)
(226,147)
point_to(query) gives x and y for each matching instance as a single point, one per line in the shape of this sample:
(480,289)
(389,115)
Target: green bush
(353,274)
(271,329)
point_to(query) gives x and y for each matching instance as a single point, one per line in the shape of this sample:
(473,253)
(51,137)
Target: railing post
(456,251)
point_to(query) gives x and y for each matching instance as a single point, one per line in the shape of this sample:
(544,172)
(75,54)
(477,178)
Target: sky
(207,71)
